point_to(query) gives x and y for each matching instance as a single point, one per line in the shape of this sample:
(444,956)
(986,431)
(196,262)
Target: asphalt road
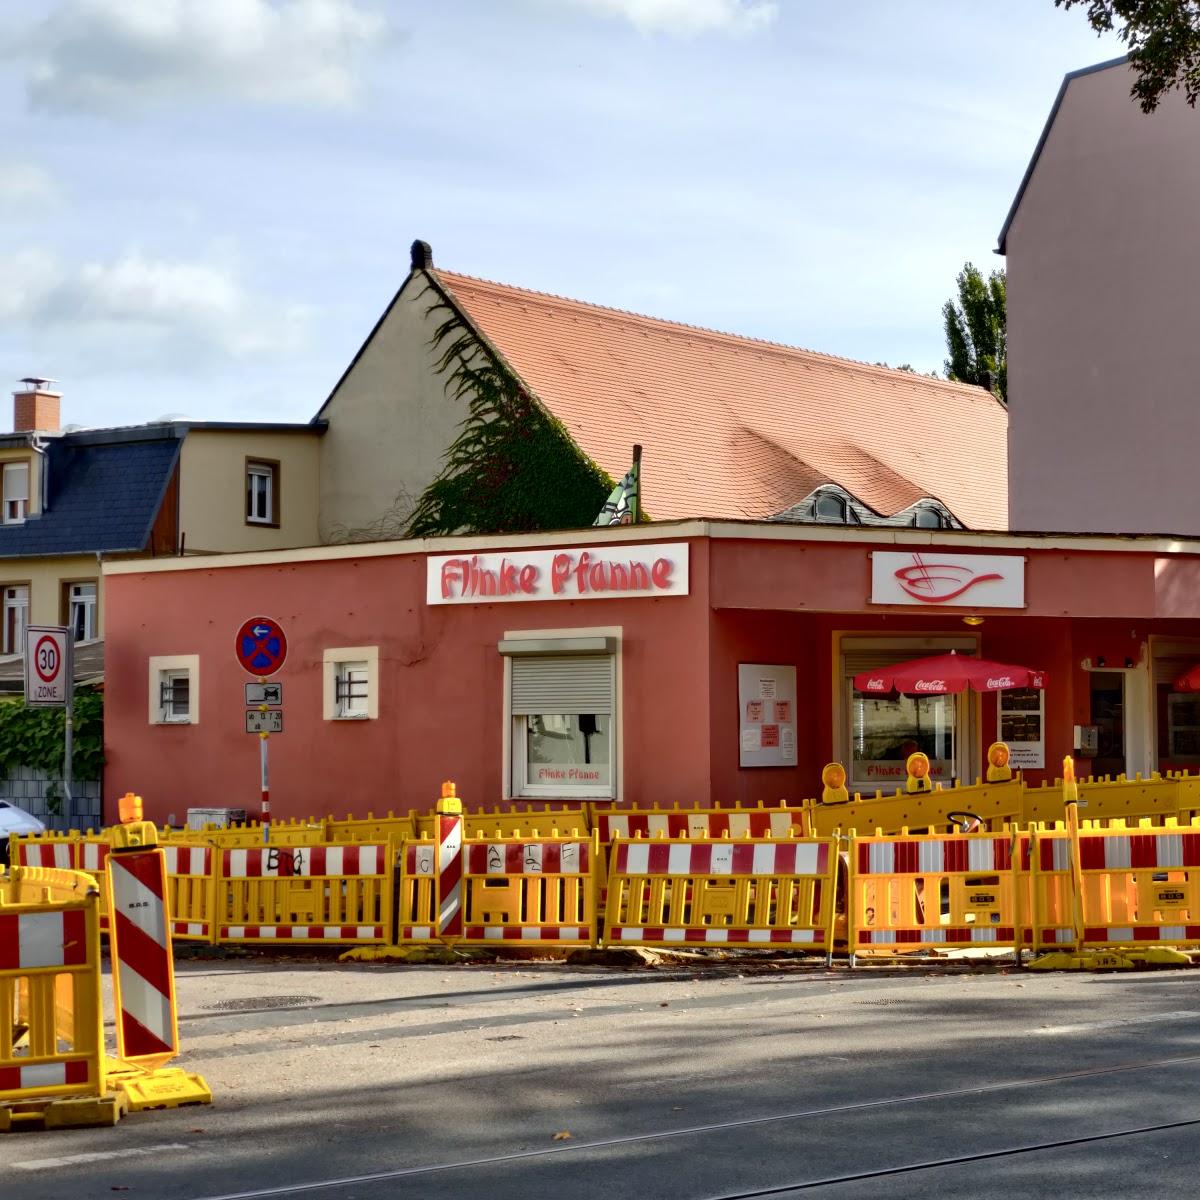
(535,1080)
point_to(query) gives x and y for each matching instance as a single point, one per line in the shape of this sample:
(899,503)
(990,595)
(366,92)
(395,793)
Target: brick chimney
(36,407)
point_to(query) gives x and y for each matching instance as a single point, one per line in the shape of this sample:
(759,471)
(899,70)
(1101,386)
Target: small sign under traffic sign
(48,665)
(258,721)
(264,693)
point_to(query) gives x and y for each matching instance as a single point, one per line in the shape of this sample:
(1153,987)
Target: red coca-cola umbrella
(943,674)
(1189,681)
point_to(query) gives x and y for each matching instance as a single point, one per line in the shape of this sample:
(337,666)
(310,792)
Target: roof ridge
(705,331)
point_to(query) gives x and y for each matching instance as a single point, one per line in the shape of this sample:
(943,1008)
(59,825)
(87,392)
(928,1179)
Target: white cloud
(26,187)
(686,17)
(139,309)
(113,55)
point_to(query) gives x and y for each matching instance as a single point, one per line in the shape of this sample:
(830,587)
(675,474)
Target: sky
(205,205)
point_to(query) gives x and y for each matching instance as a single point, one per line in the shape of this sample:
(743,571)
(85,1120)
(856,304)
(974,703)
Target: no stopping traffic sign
(260,646)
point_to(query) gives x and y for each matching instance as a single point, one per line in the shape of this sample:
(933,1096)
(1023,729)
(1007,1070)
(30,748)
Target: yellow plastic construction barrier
(370,828)
(995,803)
(1140,884)
(934,891)
(51,1036)
(546,820)
(724,892)
(49,849)
(192,891)
(1051,888)
(305,894)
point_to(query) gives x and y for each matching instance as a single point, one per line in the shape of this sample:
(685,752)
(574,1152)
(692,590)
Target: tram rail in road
(364,1082)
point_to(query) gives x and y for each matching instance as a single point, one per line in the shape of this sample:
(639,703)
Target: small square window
(262,493)
(351,683)
(175,689)
(352,689)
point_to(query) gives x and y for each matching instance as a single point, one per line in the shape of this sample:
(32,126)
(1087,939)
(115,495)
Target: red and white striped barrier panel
(143,969)
(304,861)
(49,939)
(722,893)
(93,857)
(697,823)
(1127,851)
(930,856)
(722,858)
(60,854)
(301,933)
(527,858)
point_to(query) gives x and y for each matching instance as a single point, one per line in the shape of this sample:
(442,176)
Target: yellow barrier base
(1109,960)
(418,954)
(71,1112)
(168,1087)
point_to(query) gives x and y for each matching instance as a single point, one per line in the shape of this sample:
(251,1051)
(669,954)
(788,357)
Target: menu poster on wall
(767,715)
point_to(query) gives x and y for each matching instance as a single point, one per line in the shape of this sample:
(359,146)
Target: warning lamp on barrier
(129,808)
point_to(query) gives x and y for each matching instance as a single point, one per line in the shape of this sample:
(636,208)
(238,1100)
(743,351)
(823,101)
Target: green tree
(976,334)
(1163,37)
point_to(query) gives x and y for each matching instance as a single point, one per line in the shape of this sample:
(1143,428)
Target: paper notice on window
(770,736)
(783,711)
(766,689)
(754,710)
(751,739)
(787,740)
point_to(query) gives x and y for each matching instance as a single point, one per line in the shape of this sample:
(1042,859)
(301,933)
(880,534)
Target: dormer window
(16,492)
(929,518)
(830,506)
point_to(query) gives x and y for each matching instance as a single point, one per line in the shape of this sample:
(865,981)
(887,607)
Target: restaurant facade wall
(783,600)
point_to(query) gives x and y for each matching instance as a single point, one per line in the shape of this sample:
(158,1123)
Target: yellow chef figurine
(999,769)
(917,766)
(833,776)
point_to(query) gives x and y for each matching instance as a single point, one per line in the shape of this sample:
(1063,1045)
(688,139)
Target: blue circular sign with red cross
(261,646)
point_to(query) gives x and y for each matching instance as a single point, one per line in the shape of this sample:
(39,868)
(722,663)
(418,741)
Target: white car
(15,820)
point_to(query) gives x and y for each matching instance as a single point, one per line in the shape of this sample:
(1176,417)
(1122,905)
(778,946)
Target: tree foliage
(976,331)
(513,468)
(33,737)
(1163,37)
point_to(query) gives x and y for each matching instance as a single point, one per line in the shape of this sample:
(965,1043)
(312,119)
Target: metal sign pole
(266,790)
(69,731)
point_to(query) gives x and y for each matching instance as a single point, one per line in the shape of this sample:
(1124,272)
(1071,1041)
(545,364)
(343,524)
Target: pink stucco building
(1103,254)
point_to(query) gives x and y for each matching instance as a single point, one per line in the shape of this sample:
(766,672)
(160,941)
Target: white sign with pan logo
(934,579)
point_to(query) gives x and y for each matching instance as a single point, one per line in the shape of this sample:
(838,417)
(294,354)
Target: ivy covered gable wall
(430,433)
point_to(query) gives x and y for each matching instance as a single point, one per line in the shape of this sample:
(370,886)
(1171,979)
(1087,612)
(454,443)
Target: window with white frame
(351,683)
(262,493)
(561,710)
(16,617)
(81,611)
(174,686)
(15,486)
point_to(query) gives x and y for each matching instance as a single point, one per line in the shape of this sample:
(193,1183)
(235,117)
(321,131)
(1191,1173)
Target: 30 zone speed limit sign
(47,664)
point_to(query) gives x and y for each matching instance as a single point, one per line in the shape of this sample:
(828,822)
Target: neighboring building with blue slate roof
(70,499)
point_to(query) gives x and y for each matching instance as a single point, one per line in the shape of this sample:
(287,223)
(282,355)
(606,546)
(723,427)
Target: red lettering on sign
(661,572)
(560,572)
(529,576)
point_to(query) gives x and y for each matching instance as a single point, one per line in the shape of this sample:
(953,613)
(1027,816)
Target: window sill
(351,717)
(170,723)
(262,524)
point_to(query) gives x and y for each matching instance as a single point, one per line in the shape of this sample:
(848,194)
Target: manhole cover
(256,1003)
(885,1001)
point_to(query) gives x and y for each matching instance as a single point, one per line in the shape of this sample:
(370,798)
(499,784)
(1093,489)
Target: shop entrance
(1108,716)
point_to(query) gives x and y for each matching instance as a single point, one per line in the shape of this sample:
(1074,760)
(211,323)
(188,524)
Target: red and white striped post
(448,823)
(139,932)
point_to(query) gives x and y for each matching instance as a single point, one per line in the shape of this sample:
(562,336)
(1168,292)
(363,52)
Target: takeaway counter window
(886,730)
(561,711)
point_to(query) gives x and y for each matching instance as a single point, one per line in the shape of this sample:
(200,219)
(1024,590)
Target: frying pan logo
(936,583)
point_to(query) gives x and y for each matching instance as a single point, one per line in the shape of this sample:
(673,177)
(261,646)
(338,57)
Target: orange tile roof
(735,427)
